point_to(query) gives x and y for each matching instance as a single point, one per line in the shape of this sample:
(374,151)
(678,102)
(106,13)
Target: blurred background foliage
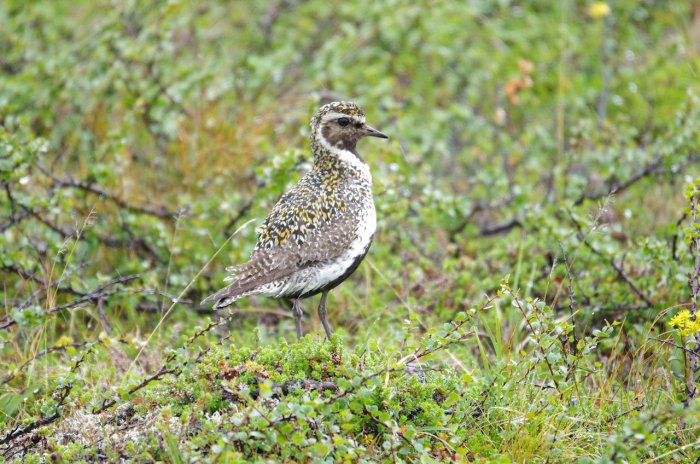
(526,137)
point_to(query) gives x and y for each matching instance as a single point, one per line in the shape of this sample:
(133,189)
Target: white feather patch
(335,115)
(347,157)
(318,276)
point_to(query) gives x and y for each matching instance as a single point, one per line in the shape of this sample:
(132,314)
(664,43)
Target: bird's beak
(372,132)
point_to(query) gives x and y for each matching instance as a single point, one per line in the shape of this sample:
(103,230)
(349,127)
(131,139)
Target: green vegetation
(530,294)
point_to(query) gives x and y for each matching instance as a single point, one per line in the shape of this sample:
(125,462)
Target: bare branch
(653,167)
(618,268)
(291,386)
(691,387)
(242,211)
(164,369)
(97,294)
(501,228)
(158,211)
(41,354)
(572,295)
(17,432)
(60,394)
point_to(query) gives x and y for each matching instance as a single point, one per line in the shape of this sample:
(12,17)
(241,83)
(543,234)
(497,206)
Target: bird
(320,230)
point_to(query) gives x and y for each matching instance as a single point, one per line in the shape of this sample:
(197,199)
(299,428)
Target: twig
(290,386)
(692,390)
(620,271)
(572,295)
(645,171)
(380,422)
(184,291)
(652,167)
(677,235)
(60,394)
(676,345)
(108,240)
(268,21)
(537,339)
(479,206)
(624,413)
(57,284)
(42,353)
(14,218)
(456,327)
(242,211)
(501,227)
(231,394)
(25,274)
(160,211)
(63,392)
(164,369)
(97,294)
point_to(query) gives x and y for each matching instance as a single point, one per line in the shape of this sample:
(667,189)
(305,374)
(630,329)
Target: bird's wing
(302,229)
(299,244)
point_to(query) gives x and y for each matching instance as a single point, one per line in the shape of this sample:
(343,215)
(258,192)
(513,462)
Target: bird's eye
(343,121)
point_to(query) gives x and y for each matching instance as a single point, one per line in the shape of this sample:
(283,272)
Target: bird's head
(341,125)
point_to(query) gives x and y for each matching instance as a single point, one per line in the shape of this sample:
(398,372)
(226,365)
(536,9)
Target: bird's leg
(298,313)
(322,313)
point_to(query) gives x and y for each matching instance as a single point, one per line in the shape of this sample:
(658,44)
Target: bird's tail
(231,293)
(226,296)
(250,278)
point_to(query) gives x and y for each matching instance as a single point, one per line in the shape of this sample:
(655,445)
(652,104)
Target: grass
(534,239)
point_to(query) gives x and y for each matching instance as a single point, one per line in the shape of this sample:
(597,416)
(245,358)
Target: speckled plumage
(319,231)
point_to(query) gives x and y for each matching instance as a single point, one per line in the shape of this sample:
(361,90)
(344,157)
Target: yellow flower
(599,10)
(63,341)
(692,327)
(687,324)
(680,319)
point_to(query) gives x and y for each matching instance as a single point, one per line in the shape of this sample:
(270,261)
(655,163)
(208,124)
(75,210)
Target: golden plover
(320,230)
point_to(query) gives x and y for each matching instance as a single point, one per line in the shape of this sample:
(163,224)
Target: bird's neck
(327,156)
